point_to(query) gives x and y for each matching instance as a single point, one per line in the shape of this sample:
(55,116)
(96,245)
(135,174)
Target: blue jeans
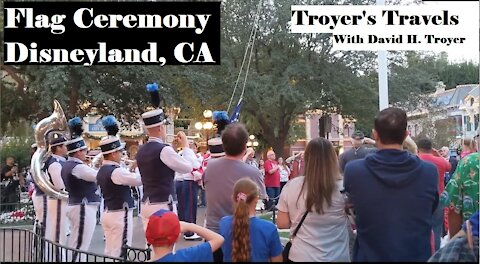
(272,193)
(438,225)
(190,194)
(203,200)
(180,200)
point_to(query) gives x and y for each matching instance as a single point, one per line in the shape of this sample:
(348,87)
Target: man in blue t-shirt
(394,194)
(164,229)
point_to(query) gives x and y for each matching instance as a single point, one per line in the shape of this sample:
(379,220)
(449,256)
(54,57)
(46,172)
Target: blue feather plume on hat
(110,124)
(76,127)
(153,89)
(220,116)
(221,119)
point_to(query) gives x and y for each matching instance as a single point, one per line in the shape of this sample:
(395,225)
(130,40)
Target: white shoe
(193,237)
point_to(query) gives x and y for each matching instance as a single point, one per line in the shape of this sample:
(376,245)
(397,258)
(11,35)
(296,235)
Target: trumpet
(189,137)
(128,160)
(174,139)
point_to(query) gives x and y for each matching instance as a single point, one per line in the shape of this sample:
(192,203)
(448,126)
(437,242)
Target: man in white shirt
(83,199)
(157,163)
(115,182)
(190,193)
(56,208)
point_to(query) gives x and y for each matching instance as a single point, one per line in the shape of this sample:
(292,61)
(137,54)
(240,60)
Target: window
(472,101)
(476,120)
(467,123)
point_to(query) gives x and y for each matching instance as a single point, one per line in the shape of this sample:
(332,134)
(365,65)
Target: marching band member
(204,160)
(40,203)
(57,214)
(139,189)
(190,194)
(215,145)
(178,182)
(115,182)
(158,162)
(96,163)
(80,182)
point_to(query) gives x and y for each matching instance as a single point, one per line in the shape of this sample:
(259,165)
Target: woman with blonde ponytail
(247,237)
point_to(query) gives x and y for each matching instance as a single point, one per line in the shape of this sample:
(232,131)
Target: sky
(460,55)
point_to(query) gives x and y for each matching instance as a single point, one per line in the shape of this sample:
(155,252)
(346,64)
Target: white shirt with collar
(83,171)
(121,176)
(193,160)
(55,172)
(173,160)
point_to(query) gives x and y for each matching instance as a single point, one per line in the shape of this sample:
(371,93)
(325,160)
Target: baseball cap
(358,135)
(163,228)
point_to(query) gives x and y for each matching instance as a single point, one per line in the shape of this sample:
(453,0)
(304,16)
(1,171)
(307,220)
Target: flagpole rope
(248,65)
(250,44)
(239,74)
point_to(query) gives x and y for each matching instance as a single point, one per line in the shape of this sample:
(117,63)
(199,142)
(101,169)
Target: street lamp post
(252,142)
(205,125)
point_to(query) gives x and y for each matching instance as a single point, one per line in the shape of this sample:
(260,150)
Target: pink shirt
(271,180)
(465,153)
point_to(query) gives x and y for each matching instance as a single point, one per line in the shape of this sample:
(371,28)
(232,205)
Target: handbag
(286,249)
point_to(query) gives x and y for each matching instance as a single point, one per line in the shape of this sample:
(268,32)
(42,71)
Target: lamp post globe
(199,125)
(208,125)
(207,113)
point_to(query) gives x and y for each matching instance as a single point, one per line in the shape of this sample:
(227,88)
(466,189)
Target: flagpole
(382,74)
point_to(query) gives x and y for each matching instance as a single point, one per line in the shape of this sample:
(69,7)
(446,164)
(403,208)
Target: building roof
(443,98)
(475,92)
(461,91)
(449,98)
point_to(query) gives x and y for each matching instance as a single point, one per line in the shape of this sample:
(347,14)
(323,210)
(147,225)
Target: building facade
(456,110)
(334,127)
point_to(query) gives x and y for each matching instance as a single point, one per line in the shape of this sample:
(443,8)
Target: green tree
(28,91)
(19,148)
(290,73)
(414,73)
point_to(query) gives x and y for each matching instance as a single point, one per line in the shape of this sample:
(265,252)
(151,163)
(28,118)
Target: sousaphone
(55,122)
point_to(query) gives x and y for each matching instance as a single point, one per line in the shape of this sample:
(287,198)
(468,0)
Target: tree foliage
(288,75)
(19,148)
(417,73)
